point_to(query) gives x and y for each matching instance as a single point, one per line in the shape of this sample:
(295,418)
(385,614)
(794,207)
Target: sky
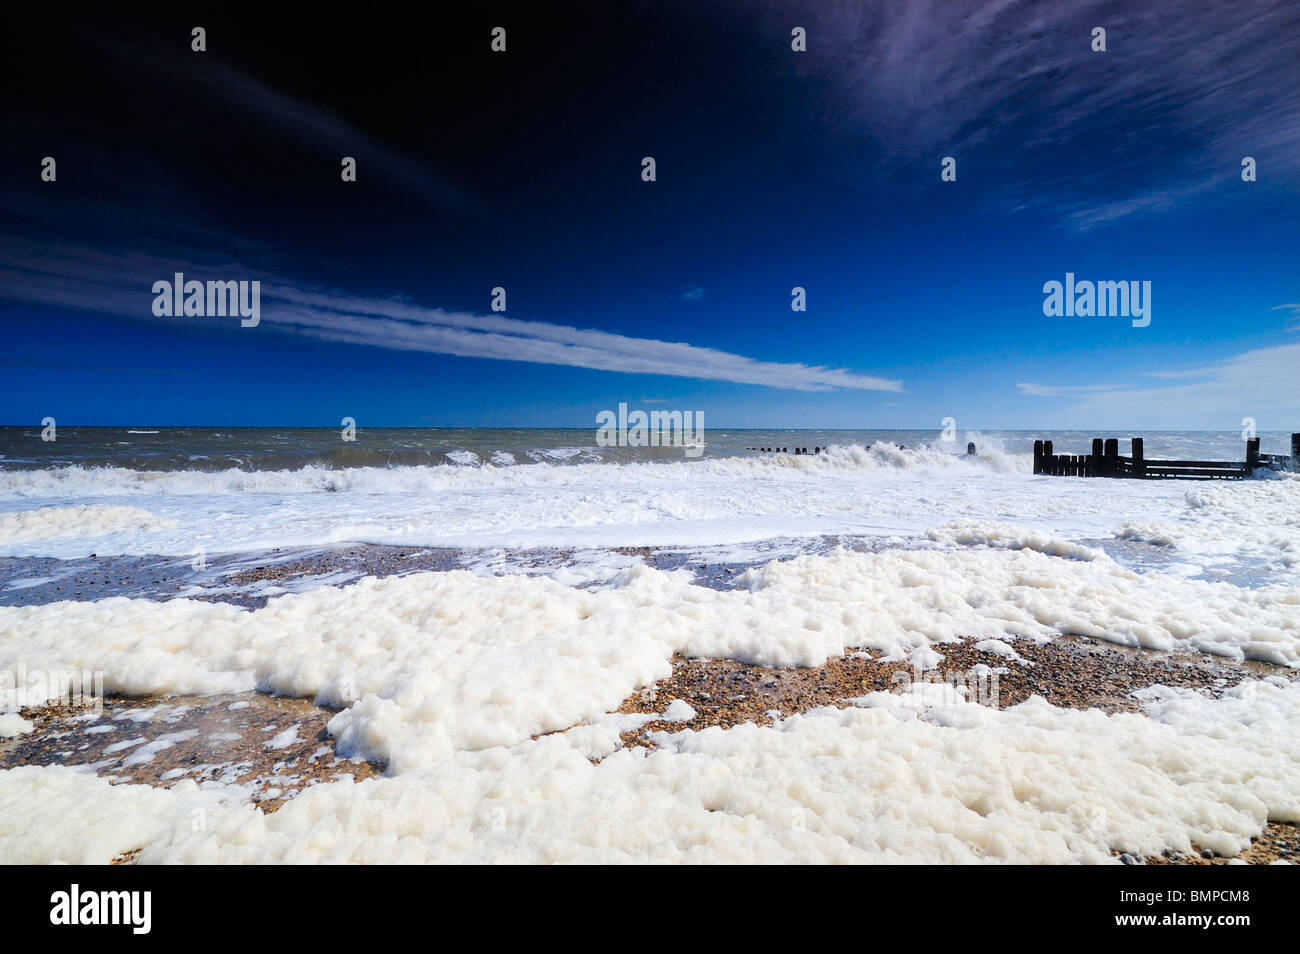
(775,169)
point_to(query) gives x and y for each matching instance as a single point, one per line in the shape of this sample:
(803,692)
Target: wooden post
(1038,457)
(1252,455)
(1097,465)
(1048,459)
(1112,457)
(1139,463)
(970,449)
(1295,452)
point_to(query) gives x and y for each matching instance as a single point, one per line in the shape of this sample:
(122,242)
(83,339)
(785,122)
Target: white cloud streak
(110,283)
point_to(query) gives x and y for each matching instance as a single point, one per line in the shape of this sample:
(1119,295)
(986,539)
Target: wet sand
(270,748)
(250,579)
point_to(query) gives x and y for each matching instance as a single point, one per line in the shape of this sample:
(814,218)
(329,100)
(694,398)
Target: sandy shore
(270,749)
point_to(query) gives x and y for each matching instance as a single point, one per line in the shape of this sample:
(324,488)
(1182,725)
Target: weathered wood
(1154,469)
(1295,451)
(1195,463)
(1112,457)
(1105,461)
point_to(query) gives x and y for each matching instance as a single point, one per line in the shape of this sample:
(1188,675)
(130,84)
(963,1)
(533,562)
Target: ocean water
(211,449)
(179,491)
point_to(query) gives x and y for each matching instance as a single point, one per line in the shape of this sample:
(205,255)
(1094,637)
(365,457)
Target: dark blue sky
(774,169)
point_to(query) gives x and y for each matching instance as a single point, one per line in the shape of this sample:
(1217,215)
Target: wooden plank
(1038,457)
(1193,463)
(1097,462)
(1152,470)
(1139,465)
(1168,468)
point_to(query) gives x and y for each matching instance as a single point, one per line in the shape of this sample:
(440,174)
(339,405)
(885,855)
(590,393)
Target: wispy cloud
(948,77)
(119,284)
(1251,384)
(400,325)
(693,294)
(220,83)
(1292,310)
(1033,389)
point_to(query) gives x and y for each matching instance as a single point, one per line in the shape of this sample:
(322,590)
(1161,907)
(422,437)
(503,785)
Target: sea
(746,495)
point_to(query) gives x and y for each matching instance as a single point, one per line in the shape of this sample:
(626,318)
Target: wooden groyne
(1105,461)
(970,449)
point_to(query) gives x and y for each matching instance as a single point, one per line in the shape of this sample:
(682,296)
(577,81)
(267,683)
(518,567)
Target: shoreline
(250,578)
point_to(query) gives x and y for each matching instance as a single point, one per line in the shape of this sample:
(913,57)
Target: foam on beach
(489,695)
(435,663)
(918,777)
